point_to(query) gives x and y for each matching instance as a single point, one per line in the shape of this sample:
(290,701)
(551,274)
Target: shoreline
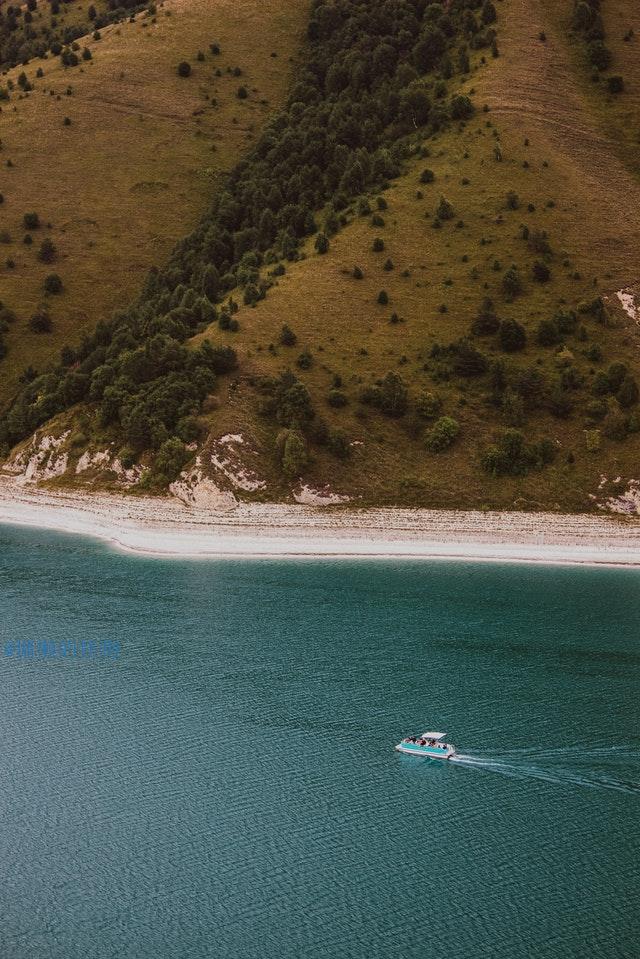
(167,528)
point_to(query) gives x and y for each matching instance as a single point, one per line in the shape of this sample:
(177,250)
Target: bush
(31,221)
(390,396)
(548,333)
(616,374)
(445,210)
(322,243)
(512,456)
(593,440)
(287,336)
(467,361)
(40,322)
(427,176)
(442,435)
(615,427)
(383,297)
(337,399)
(628,393)
(243,93)
(511,283)
(513,200)
(378,245)
(338,443)
(53,283)
(293,452)
(540,272)
(184,69)
(599,55)
(47,252)
(461,108)
(513,336)
(169,460)
(428,405)
(615,84)
(486,322)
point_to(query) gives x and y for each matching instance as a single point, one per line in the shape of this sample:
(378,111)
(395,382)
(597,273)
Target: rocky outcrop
(196,489)
(41,459)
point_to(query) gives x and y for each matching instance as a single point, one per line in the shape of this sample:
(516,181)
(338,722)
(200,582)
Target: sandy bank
(170,528)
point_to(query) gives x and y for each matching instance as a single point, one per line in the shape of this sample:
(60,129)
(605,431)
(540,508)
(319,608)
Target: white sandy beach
(167,527)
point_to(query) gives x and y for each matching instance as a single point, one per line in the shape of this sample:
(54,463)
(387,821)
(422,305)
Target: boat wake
(565,766)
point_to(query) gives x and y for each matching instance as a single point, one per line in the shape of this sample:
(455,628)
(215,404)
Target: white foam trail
(557,776)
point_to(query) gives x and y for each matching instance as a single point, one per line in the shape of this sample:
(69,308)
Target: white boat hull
(425,752)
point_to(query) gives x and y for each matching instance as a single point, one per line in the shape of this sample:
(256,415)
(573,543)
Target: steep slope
(431,318)
(137,165)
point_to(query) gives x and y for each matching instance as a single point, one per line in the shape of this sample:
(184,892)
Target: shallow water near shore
(212,773)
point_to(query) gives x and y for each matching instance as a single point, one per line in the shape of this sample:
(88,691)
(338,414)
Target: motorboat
(430,746)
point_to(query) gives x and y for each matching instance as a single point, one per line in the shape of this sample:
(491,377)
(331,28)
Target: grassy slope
(534,92)
(136,168)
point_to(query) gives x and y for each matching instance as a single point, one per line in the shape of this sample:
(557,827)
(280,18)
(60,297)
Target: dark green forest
(359,106)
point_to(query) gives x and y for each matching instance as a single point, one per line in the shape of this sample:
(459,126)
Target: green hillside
(406,292)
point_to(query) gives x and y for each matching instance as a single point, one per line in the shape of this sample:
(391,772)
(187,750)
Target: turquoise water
(228,786)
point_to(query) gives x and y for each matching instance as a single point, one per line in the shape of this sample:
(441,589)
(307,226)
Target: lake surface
(225,785)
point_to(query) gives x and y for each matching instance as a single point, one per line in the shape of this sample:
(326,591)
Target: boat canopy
(433,736)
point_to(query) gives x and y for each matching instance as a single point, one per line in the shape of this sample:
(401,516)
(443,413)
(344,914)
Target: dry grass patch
(138,164)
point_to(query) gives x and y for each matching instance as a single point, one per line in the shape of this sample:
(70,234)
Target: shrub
(442,435)
(628,393)
(40,322)
(427,176)
(560,403)
(513,336)
(337,399)
(184,69)
(540,272)
(512,456)
(467,361)
(615,376)
(53,283)
(390,395)
(596,309)
(548,333)
(428,405)
(513,200)
(383,297)
(287,336)
(31,221)
(322,243)
(566,321)
(169,460)
(305,360)
(486,322)
(615,84)
(511,283)
(599,55)
(243,93)
(357,273)
(615,426)
(378,245)
(47,252)
(293,452)
(445,210)
(338,443)
(461,107)
(593,440)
